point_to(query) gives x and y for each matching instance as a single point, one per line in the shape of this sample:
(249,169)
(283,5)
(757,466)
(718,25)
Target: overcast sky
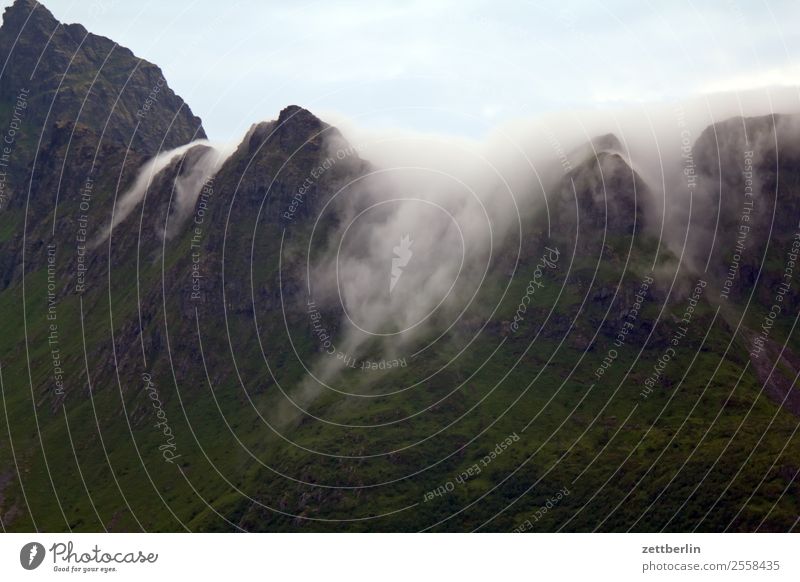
(455,66)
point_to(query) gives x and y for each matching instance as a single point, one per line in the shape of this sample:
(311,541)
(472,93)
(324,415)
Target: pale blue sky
(447,66)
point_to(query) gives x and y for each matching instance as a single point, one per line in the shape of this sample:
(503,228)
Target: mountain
(176,354)
(62,73)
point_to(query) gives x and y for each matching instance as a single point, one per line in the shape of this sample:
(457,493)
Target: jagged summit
(295,128)
(29,13)
(607,143)
(31,18)
(71,74)
(609,196)
(279,157)
(298,113)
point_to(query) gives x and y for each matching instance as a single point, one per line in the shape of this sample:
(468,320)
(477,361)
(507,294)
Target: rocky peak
(755,155)
(294,129)
(29,14)
(290,163)
(607,143)
(610,196)
(297,127)
(71,74)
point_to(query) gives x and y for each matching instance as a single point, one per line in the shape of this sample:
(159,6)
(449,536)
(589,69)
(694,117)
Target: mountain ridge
(177,362)
(74,75)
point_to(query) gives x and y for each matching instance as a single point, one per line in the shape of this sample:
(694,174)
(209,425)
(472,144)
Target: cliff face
(75,109)
(55,73)
(751,166)
(749,179)
(601,198)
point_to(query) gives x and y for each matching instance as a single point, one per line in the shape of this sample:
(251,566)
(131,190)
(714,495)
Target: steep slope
(59,73)
(751,169)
